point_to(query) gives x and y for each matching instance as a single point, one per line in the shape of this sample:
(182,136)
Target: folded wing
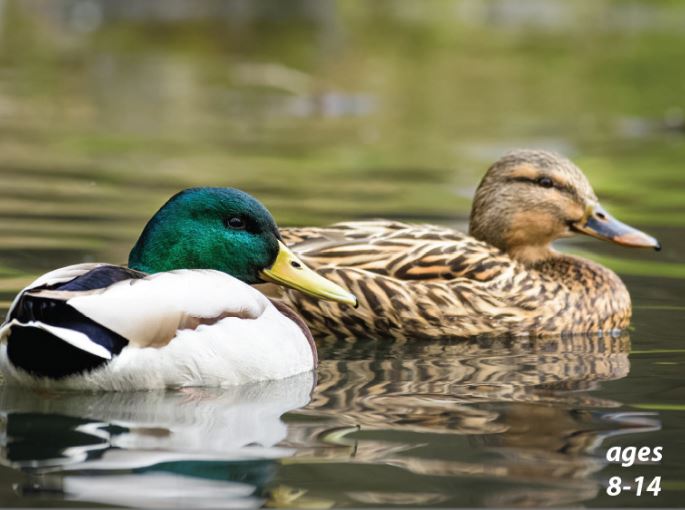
(80,317)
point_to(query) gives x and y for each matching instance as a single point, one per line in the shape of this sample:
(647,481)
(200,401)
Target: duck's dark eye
(545,182)
(235,223)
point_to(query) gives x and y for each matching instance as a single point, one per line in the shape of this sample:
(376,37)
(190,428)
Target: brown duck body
(415,281)
(503,278)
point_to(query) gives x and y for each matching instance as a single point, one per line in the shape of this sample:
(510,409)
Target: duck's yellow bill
(600,224)
(291,272)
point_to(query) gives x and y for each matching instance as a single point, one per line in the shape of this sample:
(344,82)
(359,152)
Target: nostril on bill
(296,264)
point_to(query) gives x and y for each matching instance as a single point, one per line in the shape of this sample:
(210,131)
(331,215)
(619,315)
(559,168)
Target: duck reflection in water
(204,447)
(483,422)
(463,420)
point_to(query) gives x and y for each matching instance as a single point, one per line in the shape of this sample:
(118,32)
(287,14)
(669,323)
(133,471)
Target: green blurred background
(325,110)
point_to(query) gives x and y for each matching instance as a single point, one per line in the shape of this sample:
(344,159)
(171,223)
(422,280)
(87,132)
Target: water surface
(329,111)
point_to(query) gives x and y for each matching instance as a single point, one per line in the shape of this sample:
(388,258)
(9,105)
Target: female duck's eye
(235,223)
(545,182)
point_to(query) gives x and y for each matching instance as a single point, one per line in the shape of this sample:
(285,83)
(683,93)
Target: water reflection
(477,422)
(476,414)
(386,382)
(202,446)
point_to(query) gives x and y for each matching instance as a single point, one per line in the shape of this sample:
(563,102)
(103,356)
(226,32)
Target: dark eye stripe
(536,181)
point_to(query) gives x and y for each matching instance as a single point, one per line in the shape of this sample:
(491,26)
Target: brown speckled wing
(423,281)
(397,250)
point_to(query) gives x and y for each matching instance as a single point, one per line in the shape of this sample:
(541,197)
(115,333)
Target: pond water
(329,111)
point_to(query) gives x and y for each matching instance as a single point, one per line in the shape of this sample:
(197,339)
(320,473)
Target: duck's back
(108,327)
(398,250)
(425,281)
(41,316)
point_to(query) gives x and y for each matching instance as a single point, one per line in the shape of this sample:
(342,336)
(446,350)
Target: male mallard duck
(182,312)
(504,278)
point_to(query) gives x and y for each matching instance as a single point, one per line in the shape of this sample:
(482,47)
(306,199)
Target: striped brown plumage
(503,278)
(425,281)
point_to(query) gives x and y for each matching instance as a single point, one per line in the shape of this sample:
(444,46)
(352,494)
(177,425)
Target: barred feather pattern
(425,281)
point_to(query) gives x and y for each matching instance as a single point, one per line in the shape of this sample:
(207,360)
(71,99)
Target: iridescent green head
(227,230)
(209,228)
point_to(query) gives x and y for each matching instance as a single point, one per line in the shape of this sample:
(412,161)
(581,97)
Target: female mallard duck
(504,278)
(182,312)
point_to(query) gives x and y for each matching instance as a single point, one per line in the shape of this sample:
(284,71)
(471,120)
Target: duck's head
(529,198)
(227,230)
